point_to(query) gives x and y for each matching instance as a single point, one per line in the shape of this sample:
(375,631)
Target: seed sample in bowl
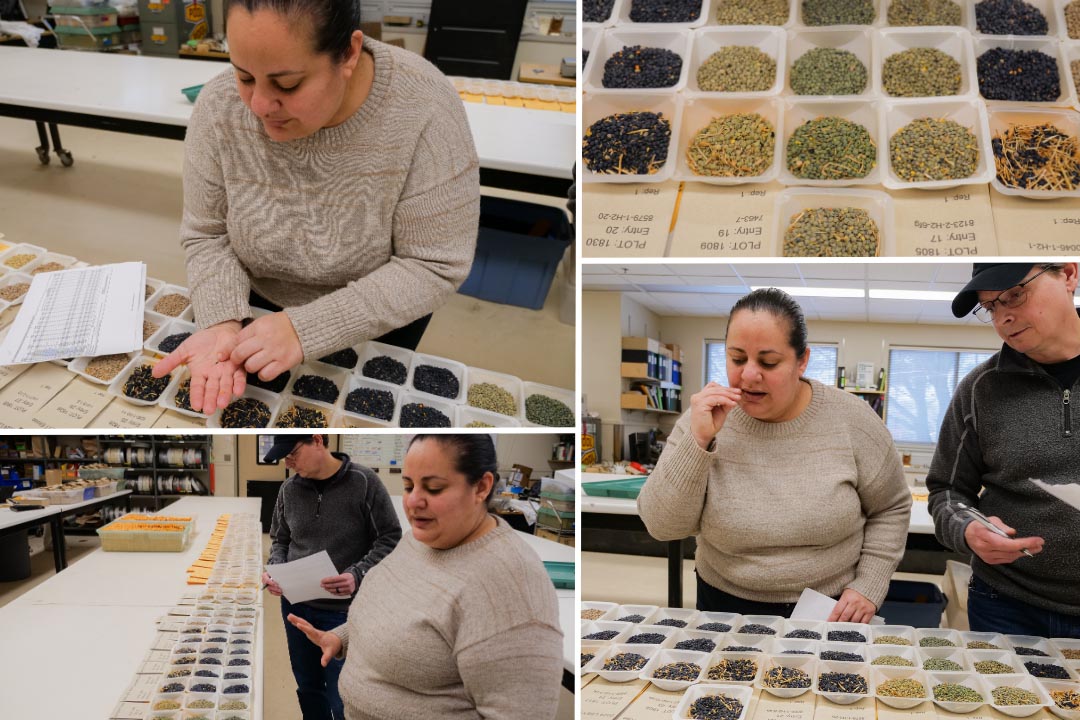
(908,13)
(142,385)
(171,342)
(543,410)
(664,11)
(685,671)
(316,387)
(902,688)
(716,627)
(592,613)
(739,145)
(803,635)
(1019,650)
(892,660)
(301,417)
(891,640)
(183,396)
(715,707)
(646,639)
(921,72)
(47,268)
(942,665)
(634,143)
(106,367)
(842,656)
(751,12)
(631,618)
(696,644)
(1018,75)
(756,629)
(420,415)
(993,667)
(831,148)
(595,11)
(385,368)
(586,658)
(625,661)
(373,403)
(1007,695)
(785,677)
(733,670)
(981,645)
(832,232)
(1009,17)
(737,68)
(934,641)
(245,413)
(1066,699)
(478,424)
(276,385)
(601,635)
(436,381)
(13,292)
(172,304)
(955,692)
(1036,157)
(489,396)
(672,622)
(1047,670)
(837,12)
(741,648)
(637,67)
(828,71)
(840,682)
(346,358)
(148,329)
(19,259)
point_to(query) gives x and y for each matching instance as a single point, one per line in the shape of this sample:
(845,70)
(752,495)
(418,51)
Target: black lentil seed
(586,658)
(245,413)
(733,670)
(631,618)
(785,677)
(741,648)
(346,358)
(240,651)
(842,656)
(385,368)
(172,688)
(302,417)
(715,627)
(172,342)
(1029,651)
(1021,75)
(672,622)
(804,635)
(276,385)
(217,640)
(646,639)
(642,67)
(697,644)
(239,662)
(665,11)
(209,661)
(596,10)
(634,143)
(183,396)
(1047,670)
(602,635)
(846,636)
(241,642)
(236,689)
(141,385)
(756,629)
(436,381)
(715,707)
(203,687)
(685,671)
(419,415)
(235,676)
(1009,17)
(838,682)
(625,661)
(207,673)
(797,652)
(316,387)
(213,651)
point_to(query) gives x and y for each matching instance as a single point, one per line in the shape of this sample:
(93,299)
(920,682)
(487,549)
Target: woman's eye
(247,81)
(739,361)
(288,89)
(769,365)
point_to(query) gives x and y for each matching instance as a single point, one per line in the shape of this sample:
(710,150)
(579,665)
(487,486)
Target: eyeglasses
(1014,297)
(292,453)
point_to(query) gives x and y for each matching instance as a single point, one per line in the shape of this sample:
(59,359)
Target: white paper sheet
(813,605)
(78,313)
(299,579)
(1068,494)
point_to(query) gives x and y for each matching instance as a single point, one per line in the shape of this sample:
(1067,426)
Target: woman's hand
(993,549)
(215,379)
(328,641)
(852,607)
(709,409)
(268,346)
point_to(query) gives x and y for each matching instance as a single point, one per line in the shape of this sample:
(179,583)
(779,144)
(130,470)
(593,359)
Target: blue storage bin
(918,604)
(518,250)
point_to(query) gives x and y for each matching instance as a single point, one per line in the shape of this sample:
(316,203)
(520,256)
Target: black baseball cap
(283,445)
(988,276)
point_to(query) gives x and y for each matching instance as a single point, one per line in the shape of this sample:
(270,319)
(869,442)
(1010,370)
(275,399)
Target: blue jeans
(990,611)
(316,686)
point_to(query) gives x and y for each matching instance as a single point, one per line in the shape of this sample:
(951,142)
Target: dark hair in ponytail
(332,21)
(781,305)
(474,455)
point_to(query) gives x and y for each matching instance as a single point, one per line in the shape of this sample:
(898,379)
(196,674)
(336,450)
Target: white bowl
(1002,656)
(951,635)
(607,22)
(704,618)
(699,111)
(970,679)
(759,660)
(1025,682)
(339,377)
(665,657)
(20,249)
(14,278)
(792,13)
(171,326)
(957,655)
(612,41)
(1055,661)
(880,7)
(567,397)
(1055,685)
(967,10)
(786,646)
(685,615)
(510,383)
(806,663)
(863,112)
(458,370)
(187,313)
(856,648)
(590,627)
(742,694)
(608,608)
(1032,641)
(465,415)
(116,387)
(1046,7)
(954,42)
(408,397)
(688,634)
(603,105)
(842,698)
(78,366)
(289,401)
(352,418)
(873,652)
(371,350)
(858,40)
(597,664)
(905,632)
(879,205)
(272,400)
(998,639)
(881,674)
(985,43)
(624,20)
(707,41)
(67,261)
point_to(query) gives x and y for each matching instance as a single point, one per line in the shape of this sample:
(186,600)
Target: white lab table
(518,148)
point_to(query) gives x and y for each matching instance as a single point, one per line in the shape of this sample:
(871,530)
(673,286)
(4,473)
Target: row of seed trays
(677,649)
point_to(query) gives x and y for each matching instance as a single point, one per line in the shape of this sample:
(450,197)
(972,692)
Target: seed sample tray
(629,488)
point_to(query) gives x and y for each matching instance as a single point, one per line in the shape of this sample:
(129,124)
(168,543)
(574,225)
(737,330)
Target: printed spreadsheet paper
(83,312)
(300,579)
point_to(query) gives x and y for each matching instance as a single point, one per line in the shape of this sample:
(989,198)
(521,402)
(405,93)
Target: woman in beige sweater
(461,621)
(785,482)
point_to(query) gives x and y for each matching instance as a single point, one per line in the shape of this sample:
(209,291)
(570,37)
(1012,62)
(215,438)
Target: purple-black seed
(373,403)
(853,636)
(1020,75)
(646,639)
(209,661)
(276,385)
(170,343)
(698,644)
(1029,651)
(1047,670)
(1009,17)
(419,415)
(436,381)
(206,673)
(238,662)
(316,387)
(235,689)
(741,648)
(672,622)
(172,688)
(837,682)
(631,618)
(385,368)
(602,635)
(756,629)
(841,656)
(235,676)
(346,358)
(715,627)
(203,687)
(664,11)
(642,67)
(804,635)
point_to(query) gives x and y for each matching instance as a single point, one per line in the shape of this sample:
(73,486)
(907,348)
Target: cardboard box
(634,401)
(634,370)
(53,476)
(555,537)
(640,343)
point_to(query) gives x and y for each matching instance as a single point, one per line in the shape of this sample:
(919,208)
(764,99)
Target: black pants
(407,337)
(713,599)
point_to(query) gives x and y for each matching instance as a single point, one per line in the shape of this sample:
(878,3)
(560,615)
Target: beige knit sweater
(819,501)
(356,230)
(471,632)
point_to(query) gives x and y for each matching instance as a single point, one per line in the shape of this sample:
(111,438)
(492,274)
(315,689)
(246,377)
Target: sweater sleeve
(342,631)
(384,526)
(435,225)
(217,279)
(957,469)
(534,651)
(280,535)
(673,497)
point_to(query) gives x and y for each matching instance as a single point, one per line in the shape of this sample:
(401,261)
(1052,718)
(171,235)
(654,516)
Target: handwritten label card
(653,704)
(1036,227)
(603,700)
(627,220)
(170,419)
(861,710)
(725,221)
(10,372)
(142,689)
(923,711)
(74,406)
(29,392)
(122,414)
(958,222)
(801,707)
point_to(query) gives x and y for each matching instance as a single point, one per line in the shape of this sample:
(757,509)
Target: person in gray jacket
(1011,421)
(330,503)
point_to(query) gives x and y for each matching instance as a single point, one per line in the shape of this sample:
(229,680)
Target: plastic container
(371,350)
(85,17)
(607,607)
(338,376)
(603,105)
(597,663)
(863,112)
(121,540)
(740,693)
(648,612)
(881,674)
(818,626)
(609,21)
(458,370)
(967,10)
(272,400)
(78,366)
(967,636)
(1001,656)
(50,257)
(795,646)
(321,365)
(954,42)
(971,680)
(759,660)
(290,401)
(840,698)
(855,39)
(20,249)
(1025,682)
(1046,7)
(952,636)
(686,634)
(983,43)
(806,663)
(901,631)
(187,313)
(1051,686)
(155,286)
(706,41)
(1071,644)
(763,643)
(773,622)
(169,327)
(880,13)
(957,655)
(665,657)
(860,628)
(626,6)
(15,278)
(792,201)
(1070,53)
(699,111)
(704,618)
(567,397)
(650,629)
(873,652)
(168,398)
(349,418)
(685,615)
(116,387)
(1032,641)
(1056,661)
(510,383)
(464,415)
(792,14)
(408,397)
(678,41)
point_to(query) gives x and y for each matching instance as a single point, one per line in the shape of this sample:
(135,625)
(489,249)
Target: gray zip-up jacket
(350,515)
(1010,421)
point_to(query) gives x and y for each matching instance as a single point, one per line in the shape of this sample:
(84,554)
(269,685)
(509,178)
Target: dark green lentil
(1066,699)
(941,665)
(892,660)
(316,387)
(716,627)
(842,656)
(828,71)
(838,682)
(993,667)
(436,381)
(233,705)
(201,704)
(420,415)
(737,68)
(804,635)
(543,410)
(373,403)
(934,641)
(346,358)
(831,148)
(170,343)
(832,232)
(733,670)
(1047,670)
(697,644)
(715,707)
(664,11)
(1009,17)
(891,640)
(921,72)
(646,639)
(586,658)
(642,67)
(954,692)
(276,385)
(634,143)
(838,12)
(625,661)
(672,622)
(595,11)
(302,417)
(785,677)
(385,368)
(166,705)
(1029,651)
(902,688)
(1007,695)
(981,645)
(142,385)
(245,412)
(1021,75)
(907,13)
(740,145)
(751,12)
(631,618)
(756,629)
(685,671)
(741,648)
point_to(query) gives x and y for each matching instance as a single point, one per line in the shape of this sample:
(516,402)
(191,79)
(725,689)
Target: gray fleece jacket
(350,515)
(1010,421)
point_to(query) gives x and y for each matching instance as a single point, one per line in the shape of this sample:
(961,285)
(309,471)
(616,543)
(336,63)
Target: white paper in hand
(300,579)
(813,605)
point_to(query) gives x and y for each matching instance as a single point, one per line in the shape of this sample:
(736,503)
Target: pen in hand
(985,522)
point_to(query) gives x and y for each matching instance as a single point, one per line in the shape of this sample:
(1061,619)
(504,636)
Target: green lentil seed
(1007,695)
(902,688)
(831,148)
(740,145)
(891,640)
(543,410)
(934,641)
(751,12)
(921,72)
(489,396)
(233,705)
(954,692)
(831,232)
(893,660)
(942,665)
(1072,19)
(737,68)
(929,149)
(201,704)
(828,71)
(981,645)
(993,667)
(166,705)
(478,424)
(908,13)
(838,12)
